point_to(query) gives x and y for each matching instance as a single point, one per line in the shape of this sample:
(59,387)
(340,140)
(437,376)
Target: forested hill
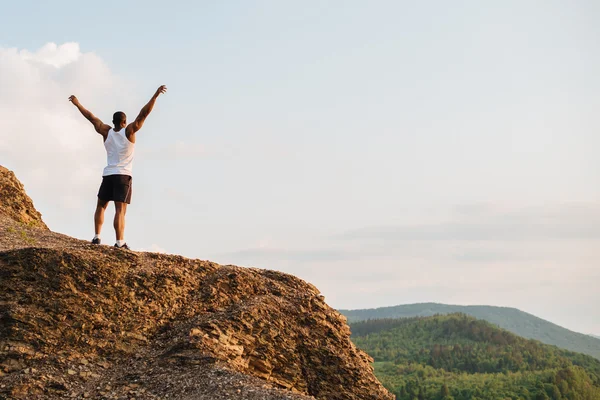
(514,320)
(457,356)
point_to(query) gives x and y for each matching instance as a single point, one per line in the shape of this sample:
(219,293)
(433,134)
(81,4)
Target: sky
(389,152)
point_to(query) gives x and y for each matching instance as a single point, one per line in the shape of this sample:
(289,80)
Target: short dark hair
(119,117)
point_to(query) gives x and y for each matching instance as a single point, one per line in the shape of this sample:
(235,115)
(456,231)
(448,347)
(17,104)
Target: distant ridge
(511,319)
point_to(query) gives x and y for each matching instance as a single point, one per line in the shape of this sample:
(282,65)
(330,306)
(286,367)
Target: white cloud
(53,150)
(51,54)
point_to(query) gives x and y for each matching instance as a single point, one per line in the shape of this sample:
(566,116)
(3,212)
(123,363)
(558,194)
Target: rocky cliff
(14,202)
(83,321)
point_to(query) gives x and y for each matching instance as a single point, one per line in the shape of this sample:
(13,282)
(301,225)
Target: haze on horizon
(387,152)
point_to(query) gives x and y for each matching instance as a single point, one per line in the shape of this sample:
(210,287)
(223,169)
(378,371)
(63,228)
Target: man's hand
(74,100)
(160,90)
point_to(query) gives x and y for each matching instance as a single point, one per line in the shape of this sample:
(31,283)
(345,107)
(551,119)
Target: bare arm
(139,121)
(100,126)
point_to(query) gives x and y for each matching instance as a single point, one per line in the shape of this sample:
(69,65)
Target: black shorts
(115,188)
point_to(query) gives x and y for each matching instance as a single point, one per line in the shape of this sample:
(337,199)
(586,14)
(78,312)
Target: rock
(15,203)
(98,322)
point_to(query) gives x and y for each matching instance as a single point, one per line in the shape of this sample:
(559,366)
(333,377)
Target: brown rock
(15,203)
(163,326)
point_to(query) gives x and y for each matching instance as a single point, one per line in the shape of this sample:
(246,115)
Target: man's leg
(119,224)
(99,215)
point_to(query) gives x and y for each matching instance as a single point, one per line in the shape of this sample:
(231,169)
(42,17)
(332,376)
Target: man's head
(119,119)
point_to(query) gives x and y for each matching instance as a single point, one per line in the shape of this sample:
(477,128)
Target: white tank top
(119,153)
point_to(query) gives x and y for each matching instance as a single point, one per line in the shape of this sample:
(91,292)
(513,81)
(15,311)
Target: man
(116,179)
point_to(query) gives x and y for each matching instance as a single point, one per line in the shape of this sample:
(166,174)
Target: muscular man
(116,179)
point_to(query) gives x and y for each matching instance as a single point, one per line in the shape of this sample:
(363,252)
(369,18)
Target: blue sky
(388,152)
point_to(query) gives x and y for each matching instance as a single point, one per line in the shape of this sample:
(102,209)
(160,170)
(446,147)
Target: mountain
(513,320)
(457,356)
(84,321)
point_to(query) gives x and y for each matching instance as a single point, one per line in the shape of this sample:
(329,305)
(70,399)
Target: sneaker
(96,241)
(124,247)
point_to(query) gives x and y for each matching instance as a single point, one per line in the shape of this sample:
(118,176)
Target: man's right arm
(100,126)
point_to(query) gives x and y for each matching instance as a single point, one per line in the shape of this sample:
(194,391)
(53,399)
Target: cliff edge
(83,321)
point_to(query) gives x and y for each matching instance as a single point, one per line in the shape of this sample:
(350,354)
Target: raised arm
(136,125)
(100,126)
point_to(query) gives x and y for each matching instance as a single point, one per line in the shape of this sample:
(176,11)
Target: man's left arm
(136,125)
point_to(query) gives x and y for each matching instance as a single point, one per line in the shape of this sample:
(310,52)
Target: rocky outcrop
(14,202)
(82,321)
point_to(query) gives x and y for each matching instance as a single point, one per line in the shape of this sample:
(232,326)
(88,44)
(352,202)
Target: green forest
(458,357)
(513,320)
